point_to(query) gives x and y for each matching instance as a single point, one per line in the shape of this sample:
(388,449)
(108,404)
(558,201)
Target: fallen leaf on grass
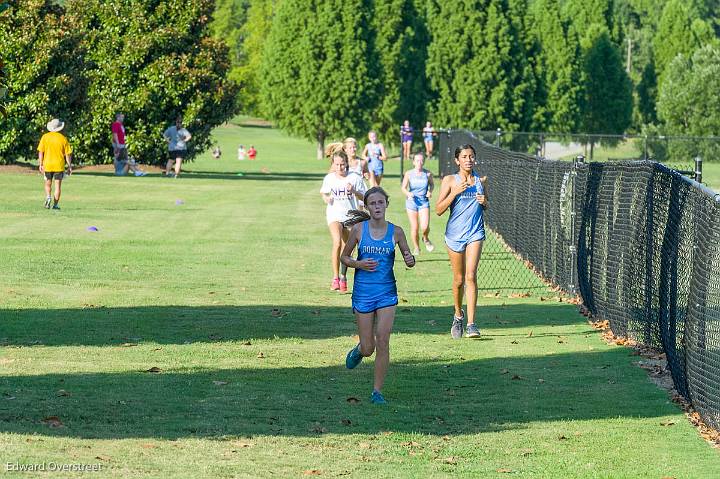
(513,342)
(562,438)
(154,369)
(529,335)
(317,428)
(53,422)
(504,470)
(519,295)
(346,422)
(541,380)
(260,355)
(148,446)
(278,313)
(493,295)
(517,377)
(315,312)
(504,371)
(411,444)
(526,452)
(103,458)
(242,444)
(312,472)
(667,423)
(63,393)
(450,460)
(247,343)
(214,337)
(353,400)
(219,383)
(128,345)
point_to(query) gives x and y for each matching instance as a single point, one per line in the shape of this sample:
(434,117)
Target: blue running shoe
(377,398)
(353,357)
(472,331)
(456,331)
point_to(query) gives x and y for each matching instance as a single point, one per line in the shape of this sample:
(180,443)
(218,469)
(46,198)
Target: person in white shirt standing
(177,137)
(341,192)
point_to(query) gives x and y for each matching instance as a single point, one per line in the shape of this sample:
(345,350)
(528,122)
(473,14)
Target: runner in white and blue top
(374,293)
(417,186)
(465,194)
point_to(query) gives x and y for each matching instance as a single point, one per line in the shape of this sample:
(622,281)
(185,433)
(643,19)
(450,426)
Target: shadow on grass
(429,397)
(100,326)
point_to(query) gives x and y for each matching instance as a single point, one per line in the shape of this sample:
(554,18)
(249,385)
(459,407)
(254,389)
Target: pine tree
(559,68)
(477,66)
(401,46)
(319,78)
(680,31)
(608,90)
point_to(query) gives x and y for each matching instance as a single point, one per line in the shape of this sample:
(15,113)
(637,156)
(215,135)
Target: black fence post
(573,286)
(698,169)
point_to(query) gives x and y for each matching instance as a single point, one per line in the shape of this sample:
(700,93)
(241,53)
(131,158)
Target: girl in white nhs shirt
(341,192)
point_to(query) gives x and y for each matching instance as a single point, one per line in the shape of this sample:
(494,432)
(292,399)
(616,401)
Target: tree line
(85,60)
(328,68)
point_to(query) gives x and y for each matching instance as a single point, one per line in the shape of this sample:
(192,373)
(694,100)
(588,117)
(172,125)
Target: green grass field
(226,293)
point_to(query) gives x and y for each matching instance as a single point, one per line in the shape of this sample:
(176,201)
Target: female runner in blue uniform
(375,156)
(465,193)
(374,292)
(417,186)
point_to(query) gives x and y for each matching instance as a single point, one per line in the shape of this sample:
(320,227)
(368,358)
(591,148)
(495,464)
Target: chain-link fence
(677,152)
(637,240)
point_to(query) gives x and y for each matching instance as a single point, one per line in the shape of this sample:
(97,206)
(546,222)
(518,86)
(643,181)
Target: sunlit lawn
(220,282)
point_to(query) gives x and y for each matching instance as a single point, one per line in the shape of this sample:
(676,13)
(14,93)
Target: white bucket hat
(55,125)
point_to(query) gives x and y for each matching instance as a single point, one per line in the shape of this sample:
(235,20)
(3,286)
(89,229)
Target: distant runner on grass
(177,137)
(417,186)
(375,155)
(374,295)
(54,153)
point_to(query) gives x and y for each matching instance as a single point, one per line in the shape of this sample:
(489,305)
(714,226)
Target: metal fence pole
(498,134)
(573,286)
(698,169)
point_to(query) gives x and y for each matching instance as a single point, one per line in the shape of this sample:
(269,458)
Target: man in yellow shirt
(54,151)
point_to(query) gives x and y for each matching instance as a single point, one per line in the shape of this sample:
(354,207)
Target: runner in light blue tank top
(374,153)
(374,292)
(417,186)
(466,223)
(465,195)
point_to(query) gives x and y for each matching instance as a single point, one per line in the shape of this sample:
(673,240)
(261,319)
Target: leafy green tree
(43,64)
(608,90)
(477,66)
(228,26)
(319,74)
(688,102)
(152,61)
(247,73)
(680,31)
(559,69)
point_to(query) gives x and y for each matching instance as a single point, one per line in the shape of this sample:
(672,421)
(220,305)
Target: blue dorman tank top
(418,183)
(382,251)
(466,214)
